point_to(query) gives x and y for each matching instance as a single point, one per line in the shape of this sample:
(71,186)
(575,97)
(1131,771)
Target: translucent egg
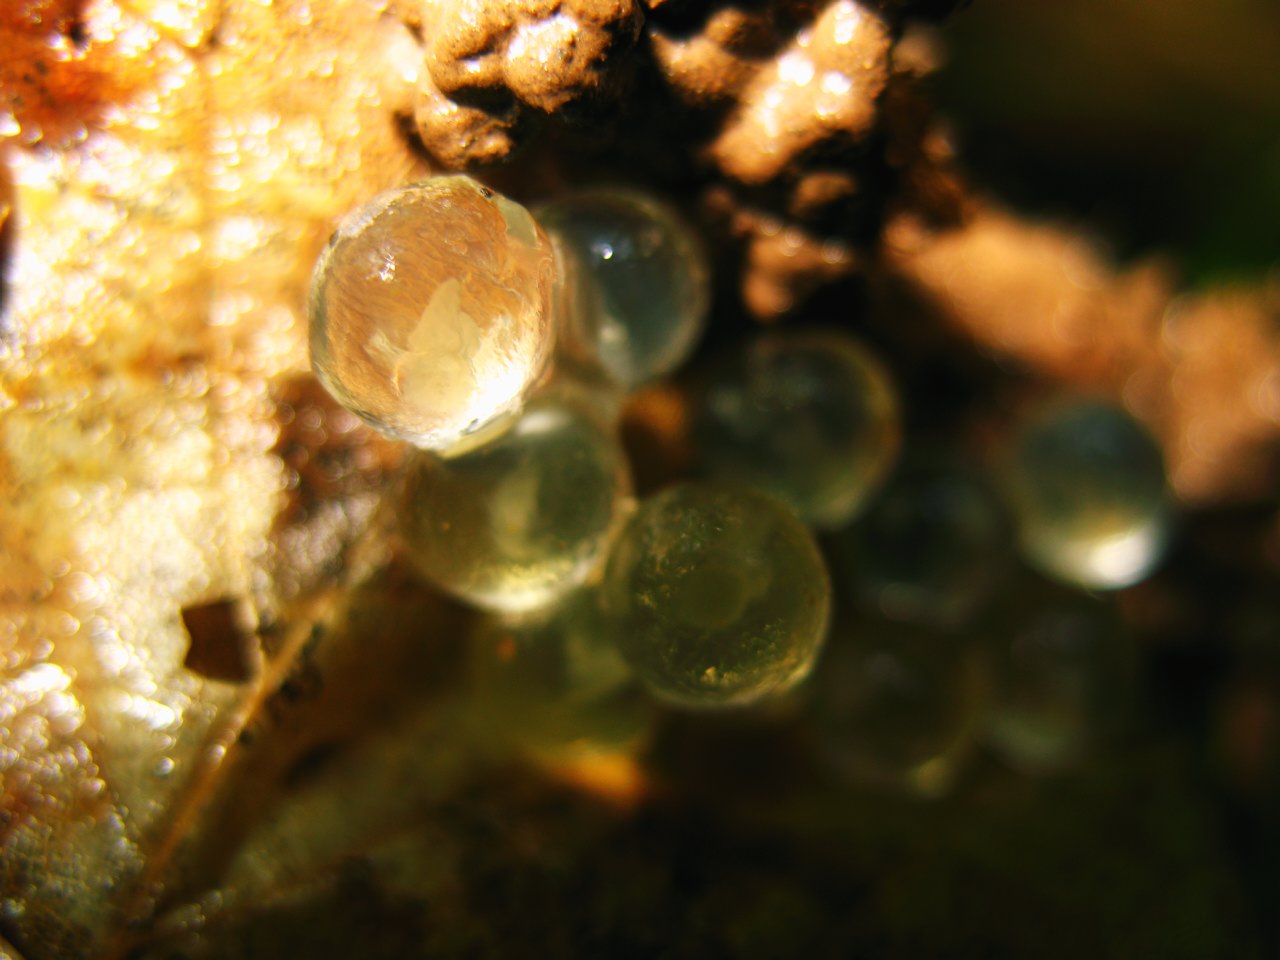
(930,547)
(717,595)
(899,706)
(431,312)
(553,682)
(522,520)
(634,282)
(809,417)
(1086,484)
(1064,677)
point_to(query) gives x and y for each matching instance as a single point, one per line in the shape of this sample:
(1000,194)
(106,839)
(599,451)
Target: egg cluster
(504,345)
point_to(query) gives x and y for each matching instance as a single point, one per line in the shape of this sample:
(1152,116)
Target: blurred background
(1157,125)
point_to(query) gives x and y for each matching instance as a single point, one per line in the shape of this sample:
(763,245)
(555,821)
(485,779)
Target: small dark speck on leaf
(221,646)
(77,34)
(309,765)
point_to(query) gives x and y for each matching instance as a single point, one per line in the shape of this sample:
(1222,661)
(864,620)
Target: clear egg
(899,706)
(809,417)
(716,595)
(1086,484)
(635,282)
(1064,676)
(522,520)
(931,546)
(553,682)
(431,312)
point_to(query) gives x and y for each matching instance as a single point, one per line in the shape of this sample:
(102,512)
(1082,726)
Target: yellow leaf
(154,319)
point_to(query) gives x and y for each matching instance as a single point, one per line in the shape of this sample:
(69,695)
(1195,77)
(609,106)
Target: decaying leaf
(156,305)
(66,64)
